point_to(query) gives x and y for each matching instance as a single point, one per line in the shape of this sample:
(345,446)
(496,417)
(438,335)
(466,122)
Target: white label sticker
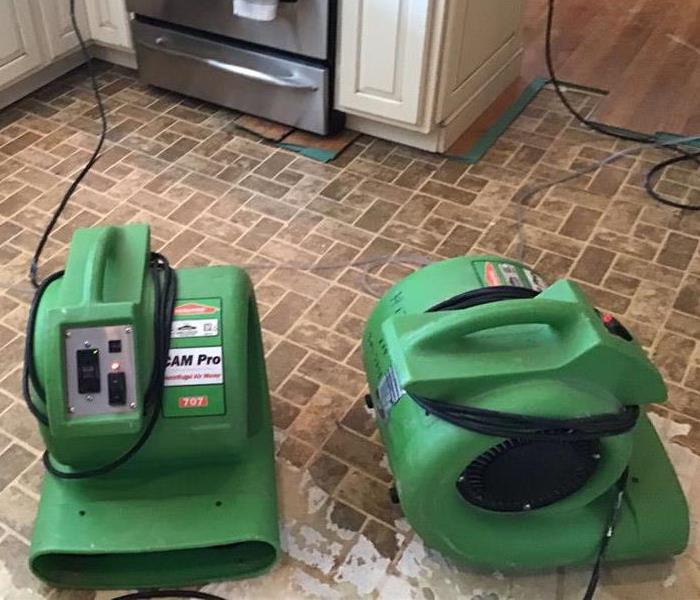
(536,282)
(389,391)
(510,273)
(187,328)
(194,366)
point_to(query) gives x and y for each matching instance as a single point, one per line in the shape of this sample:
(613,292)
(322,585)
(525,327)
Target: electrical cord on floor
(533,190)
(652,175)
(165,294)
(607,536)
(144,595)
(34,267)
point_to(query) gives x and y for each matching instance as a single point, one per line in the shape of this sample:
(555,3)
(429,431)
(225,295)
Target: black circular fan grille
(519,475)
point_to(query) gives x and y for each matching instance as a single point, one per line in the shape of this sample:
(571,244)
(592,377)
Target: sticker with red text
(194,308)
(491,277)
(193,401)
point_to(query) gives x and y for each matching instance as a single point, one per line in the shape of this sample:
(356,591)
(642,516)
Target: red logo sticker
(490,275)
(192,308)
(193,401)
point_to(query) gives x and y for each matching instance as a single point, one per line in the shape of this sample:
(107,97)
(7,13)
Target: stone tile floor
(215,194)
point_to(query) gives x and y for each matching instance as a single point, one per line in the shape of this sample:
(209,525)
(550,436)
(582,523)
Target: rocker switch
(116,388)
(88,371)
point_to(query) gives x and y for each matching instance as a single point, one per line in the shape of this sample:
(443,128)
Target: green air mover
(157,476)
(510,415)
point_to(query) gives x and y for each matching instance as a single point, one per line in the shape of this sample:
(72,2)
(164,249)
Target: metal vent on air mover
(518,474)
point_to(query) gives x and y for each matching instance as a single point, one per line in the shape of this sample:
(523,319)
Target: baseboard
(114,55)
(423,141)
(46,74)
(39,78)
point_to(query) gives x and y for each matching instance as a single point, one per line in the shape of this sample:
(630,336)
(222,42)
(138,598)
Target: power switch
(116,388)
(88,371)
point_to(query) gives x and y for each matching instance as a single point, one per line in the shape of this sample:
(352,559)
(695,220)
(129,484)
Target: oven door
(280,89)
(301,26)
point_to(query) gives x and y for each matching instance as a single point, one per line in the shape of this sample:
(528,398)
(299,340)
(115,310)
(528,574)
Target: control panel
(100,370)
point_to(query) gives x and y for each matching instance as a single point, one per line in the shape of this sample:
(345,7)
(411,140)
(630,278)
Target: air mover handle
(457,324)
(95,263)
(106,265)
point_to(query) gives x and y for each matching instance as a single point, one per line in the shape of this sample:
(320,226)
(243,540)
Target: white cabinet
(38,44)
(109,22)
(421,71)
(382,50)
(20,49)
(58,28)
(479,33)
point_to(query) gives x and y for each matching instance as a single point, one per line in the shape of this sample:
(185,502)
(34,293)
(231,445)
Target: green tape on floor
(662,136)
(489,138)
(315,153)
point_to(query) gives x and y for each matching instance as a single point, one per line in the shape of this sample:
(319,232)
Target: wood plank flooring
(644,53)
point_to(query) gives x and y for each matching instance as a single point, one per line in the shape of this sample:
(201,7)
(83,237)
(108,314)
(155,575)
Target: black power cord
(510,425)
(34,267)
(525,427)
(165,291)
(607,535)
(652,175)
(165,294)
(169,594)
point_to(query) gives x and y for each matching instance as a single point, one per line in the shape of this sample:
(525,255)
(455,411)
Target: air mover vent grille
(519,475)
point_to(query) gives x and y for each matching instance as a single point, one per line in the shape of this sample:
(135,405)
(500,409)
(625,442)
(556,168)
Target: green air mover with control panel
(151,393)
(510,415)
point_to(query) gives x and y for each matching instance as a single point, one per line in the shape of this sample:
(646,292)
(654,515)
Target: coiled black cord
(165,294)
(29,375)
(510,425)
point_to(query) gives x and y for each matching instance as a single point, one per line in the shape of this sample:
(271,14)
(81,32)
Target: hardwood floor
(644,53)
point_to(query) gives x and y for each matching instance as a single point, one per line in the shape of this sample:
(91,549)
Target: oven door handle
(294,82)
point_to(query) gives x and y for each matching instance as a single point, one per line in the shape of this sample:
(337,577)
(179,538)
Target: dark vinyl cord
(165,294)
(511,425)
(518,426)
(651,177)
(34,267)
(607,535)
(143,595)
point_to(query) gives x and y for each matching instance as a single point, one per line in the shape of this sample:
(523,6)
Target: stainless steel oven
(281,70)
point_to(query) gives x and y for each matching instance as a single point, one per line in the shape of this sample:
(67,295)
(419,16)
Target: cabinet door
(109,22)
(481,36)
(20,51)
(383,55)
(58,27)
